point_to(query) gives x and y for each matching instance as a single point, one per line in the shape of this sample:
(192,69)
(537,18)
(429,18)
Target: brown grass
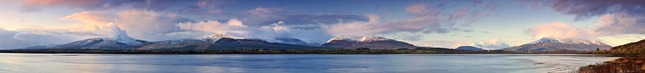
(622,65)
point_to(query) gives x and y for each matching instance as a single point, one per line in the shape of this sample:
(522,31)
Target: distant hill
(634,48)
(371,42)
(553,44)
(471,48)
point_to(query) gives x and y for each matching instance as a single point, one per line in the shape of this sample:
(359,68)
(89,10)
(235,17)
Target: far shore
(285,51)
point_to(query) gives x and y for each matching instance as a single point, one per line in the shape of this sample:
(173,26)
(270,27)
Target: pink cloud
(147,25)
(560,30)
(418,9)
(235,27)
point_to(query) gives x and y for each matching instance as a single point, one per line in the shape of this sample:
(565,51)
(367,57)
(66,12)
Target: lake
(295,63)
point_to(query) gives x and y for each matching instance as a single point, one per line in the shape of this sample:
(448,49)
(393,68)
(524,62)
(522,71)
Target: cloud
(269,33)
(616,16)
(93,18)
(488,45)
(560,30)
(418,9)
(141,24)
(95,25)
(441,43)
(155,20)
(262,15)
(13,39)
(621,24)
(426,24)
(116,30)
(8,41)
(491,45)
(428,19)
(232,26)
(179,6)
(591,8)
(265,16)
(610,25)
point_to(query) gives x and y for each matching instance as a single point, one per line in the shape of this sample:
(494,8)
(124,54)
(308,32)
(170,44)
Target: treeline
(420,50)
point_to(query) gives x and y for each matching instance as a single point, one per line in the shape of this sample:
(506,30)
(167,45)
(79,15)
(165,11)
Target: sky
(489,24)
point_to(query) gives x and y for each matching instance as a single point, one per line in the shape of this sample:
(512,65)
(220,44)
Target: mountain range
(226,42)
(372,42)
(553,44)
(121,41)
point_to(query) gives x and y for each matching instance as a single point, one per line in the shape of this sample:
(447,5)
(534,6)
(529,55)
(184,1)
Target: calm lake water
(294,63)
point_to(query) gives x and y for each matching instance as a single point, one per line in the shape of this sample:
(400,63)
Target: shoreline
(621,65)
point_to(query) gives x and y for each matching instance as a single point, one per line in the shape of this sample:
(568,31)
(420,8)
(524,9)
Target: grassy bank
(622,65)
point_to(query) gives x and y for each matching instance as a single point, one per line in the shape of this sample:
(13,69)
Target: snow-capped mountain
(546,40)
(102,43)
(214,37)
(222,42)
(358,38)
(554,44)
(284,40)
(119,40)
(567,41)
(372,42)
(184,44)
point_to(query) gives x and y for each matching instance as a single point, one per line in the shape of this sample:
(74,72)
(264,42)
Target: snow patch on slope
(567,41)
(120,36)
(359,38)
(547,40)
(215,37)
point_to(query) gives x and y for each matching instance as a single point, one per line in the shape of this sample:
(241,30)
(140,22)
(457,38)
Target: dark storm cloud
(617,16)
(589,8)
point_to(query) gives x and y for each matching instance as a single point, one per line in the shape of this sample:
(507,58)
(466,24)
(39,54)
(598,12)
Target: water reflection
(461,63)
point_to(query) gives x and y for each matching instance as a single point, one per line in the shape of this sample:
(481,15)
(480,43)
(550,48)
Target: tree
(363,48)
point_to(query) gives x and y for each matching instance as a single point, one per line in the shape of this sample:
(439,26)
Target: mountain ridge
(552,44)
(372,42)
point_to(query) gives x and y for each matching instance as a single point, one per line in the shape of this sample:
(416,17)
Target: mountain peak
(567,41)
(217,36)
(121,36)
(373,42)
(547,40)
(554,44)
(359,38)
